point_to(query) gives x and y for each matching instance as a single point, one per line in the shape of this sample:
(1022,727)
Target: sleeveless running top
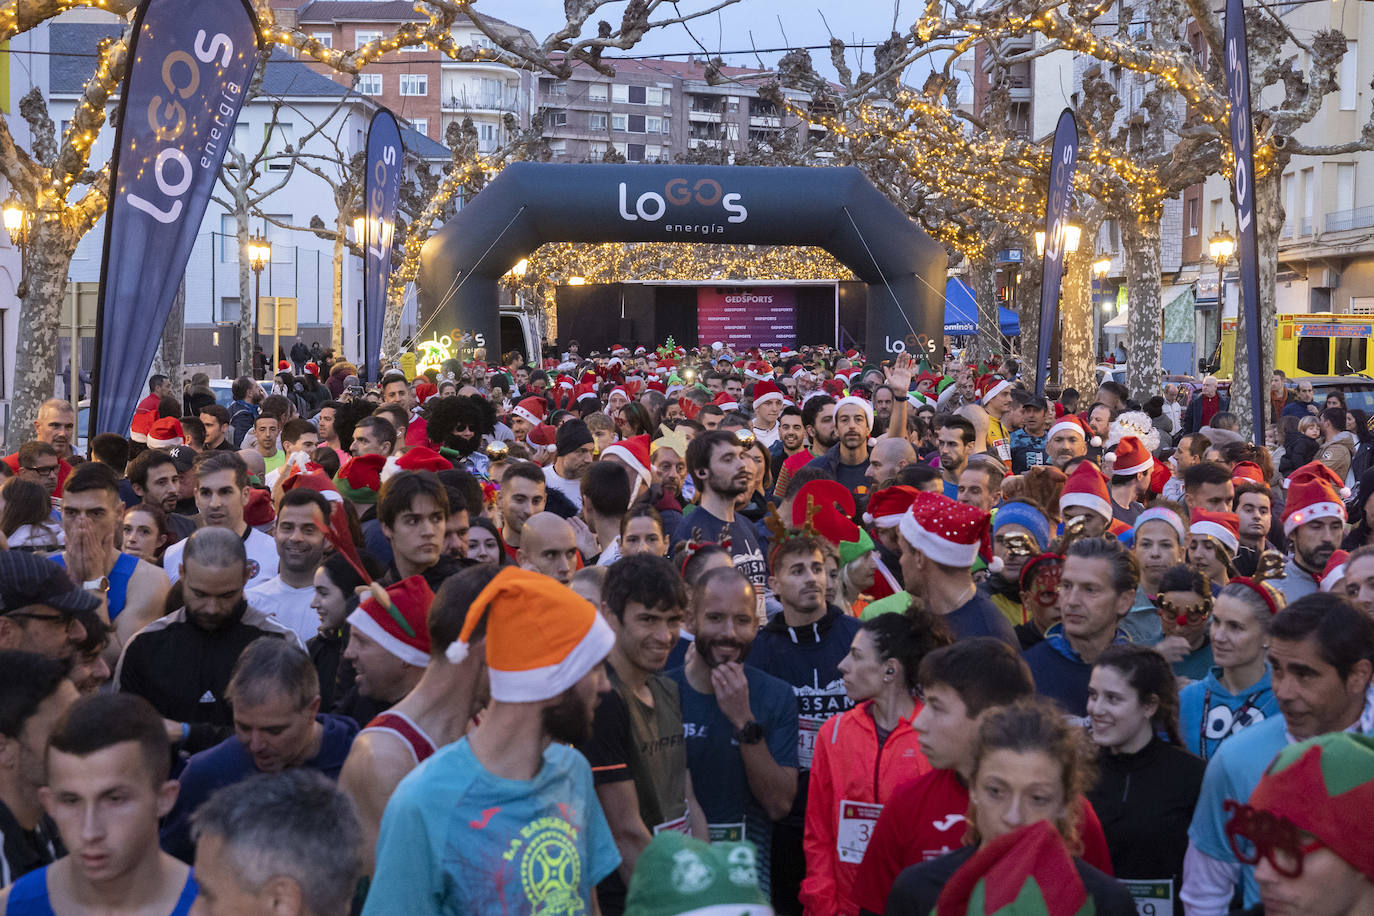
(403,727)
(119,577)
(29,896)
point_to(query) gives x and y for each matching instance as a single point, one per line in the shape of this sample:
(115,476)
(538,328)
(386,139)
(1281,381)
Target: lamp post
(259,253)
(17,225)
(1221,246)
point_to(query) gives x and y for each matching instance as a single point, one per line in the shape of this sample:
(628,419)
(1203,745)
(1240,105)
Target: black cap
(27,579)
(183,456)
(572,435)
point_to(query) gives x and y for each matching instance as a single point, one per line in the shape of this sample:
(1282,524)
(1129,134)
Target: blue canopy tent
(961,314)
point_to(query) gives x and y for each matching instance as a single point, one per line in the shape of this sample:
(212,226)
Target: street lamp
(1221,246)
(259,254)
(359,224)
(1072,234)
(17,225)
(1102,266)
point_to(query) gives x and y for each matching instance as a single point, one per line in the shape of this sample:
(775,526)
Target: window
(667,97)
(229,308)
(488,131)
(596,121)
(240,141)
(1345,186)
(557,118)
(597,92)
(620,93)
(414,84)
(558,147)
(733,102)
(420,125)
(618,121)
(653,125)
(1314,355)
(1350,75)
(653,96)
(370,83)
(1194,215)
(635,152)
(361,38)
(597,151)
(636,124)
(638,95)
(228,239)
(619,148)
(1309,201)
(324,38)
(653,152)
(283,134)
(667,125)
(732,131)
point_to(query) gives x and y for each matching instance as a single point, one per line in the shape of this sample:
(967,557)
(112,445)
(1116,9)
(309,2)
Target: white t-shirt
(767,436)
(262,557)
(289,606)
(569,488)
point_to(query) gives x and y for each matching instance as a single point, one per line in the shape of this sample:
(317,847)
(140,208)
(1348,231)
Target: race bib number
(807,729)
(857,820)
(1152,898)
(725,833)
(675,826)
(1003,448)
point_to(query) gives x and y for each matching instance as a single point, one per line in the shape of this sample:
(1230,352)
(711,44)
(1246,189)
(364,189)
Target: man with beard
(668,467)
(886,461)
(221,496)
(1068,439)
(818,419)
(954,436)
(741,723)
(155,480)
(437,711)
(847,461)
(459,423)
(205,637)
(791,436)
(715,461)
(520,797)
(574,451)
(1314,521)
(302,518)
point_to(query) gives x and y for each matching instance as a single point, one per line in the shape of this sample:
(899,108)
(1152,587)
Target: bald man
(257,465)
(56,425)
(888,457)
(548,545)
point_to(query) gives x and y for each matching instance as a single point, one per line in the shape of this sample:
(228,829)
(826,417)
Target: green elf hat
(679,875)
(360,478)
(1027,872)
(1325,786)
(944,383)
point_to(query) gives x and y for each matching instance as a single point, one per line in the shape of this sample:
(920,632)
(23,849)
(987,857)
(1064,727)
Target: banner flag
(381,195)
(1243,190)
(1063,161)
(190,62)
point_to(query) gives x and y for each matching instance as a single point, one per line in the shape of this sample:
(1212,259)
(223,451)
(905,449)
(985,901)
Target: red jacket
(849,767)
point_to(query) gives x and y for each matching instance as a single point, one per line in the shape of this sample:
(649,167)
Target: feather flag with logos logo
(1059,200)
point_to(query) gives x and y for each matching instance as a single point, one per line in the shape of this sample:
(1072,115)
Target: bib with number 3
(857,820)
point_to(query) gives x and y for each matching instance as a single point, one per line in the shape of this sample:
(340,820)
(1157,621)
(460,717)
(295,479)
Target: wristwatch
(751,733)
(98,584)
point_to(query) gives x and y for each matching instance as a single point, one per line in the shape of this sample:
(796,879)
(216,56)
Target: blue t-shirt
(1233,773)
(456,838)
(978,616)
(29,896)
(1208,713)
(713,757)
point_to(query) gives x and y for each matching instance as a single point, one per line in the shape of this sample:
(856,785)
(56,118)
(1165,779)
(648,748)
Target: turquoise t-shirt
(458,839)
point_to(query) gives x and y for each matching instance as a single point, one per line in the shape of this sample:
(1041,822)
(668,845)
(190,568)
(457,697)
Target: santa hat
(798,369)
(833,387)
(425,390)
(312,369)
(1159,477)
(888,505)
(1323,786)
(619,350)
(544,439)
(818,494)
(138,430)
(531,410)
(618,389)
(766,391)
(1076,424)
(989,387)
(542,637)
(948,532)
(640,351)
(1334,573)
(397,624)
(863,405)
(311,477)
(1315,470)
(1247,471)
(1086,487)
(1131,457)
(422,458)
(584,392)
(1311,497)
(283,365)
(634,451)
(1222,526)
(165,432)
(360,478)
(1026,871)
(258,512)
(725,402)
(655,385)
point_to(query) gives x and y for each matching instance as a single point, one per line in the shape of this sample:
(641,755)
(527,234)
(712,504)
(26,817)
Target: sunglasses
(1255,835)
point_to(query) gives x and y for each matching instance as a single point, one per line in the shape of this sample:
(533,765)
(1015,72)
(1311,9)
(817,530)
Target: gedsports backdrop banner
(381,194)
(1063,161)
(1243,190)
(761,316)
(189,66)
(837,209)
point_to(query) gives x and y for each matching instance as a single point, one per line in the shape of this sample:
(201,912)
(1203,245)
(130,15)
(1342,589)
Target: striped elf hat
(1027,872)
(360,478)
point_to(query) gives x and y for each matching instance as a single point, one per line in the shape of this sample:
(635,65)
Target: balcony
(703,142)
(1341,220)
(1019,88)
(508,100)
(773,122)
(1306,228)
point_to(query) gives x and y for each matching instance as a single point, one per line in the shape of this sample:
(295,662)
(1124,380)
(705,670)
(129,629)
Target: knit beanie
(1028,517)
(679,875)
(572,435)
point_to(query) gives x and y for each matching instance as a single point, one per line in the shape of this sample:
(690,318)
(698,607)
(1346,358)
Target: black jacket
(23,850)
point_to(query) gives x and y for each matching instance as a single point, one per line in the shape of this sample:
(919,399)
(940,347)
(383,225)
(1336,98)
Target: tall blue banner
(189,66)
(381,194)
(1243,190)
(1063,161)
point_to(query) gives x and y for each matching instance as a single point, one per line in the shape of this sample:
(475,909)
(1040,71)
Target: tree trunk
(167,358)
(982,279)
(46,262)
(247,304)
(1268,225)
(1027,306)
(391,321)
(1076,322)
(1144,324)
(336,329)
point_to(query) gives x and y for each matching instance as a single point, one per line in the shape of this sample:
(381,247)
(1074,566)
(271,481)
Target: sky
(746,24)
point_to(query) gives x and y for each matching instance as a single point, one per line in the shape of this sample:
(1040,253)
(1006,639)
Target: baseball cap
(27,579)
(183,456)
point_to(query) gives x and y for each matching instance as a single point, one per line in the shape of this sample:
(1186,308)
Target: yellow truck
(1317,344)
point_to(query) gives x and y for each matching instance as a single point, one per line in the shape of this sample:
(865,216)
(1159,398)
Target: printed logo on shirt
(253,569)
(550,866)
(207,697)
(947,822)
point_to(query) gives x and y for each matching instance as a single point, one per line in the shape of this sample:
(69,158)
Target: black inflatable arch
(837,209)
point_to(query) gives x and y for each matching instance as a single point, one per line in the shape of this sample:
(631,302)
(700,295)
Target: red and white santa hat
(138,430)
(888,505)
(1131,457)
(565,382)
(948,532)
(1334,573)
(1087,488)
(1247,471)
(1077,424)
(1311,496)
(989,387)
(634,452)
(398,623)
(1315,470)
(862,403)
(766,391)
(619,350)
(1224,527)
(531,410)
(165,432)
(798,369)
(584,392)
(725,402)
(543,439)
